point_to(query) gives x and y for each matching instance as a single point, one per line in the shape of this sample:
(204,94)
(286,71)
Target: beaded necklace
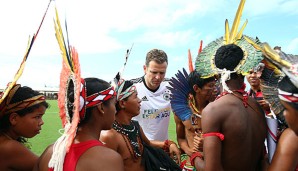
(131,137)
(241,91)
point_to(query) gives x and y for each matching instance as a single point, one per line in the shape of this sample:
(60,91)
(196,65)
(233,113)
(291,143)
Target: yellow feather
(239,35)
(59,37)
(227,32)
(274,56)
(236,22)
(256,46)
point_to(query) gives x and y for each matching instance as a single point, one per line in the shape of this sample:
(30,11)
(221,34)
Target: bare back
(244,131)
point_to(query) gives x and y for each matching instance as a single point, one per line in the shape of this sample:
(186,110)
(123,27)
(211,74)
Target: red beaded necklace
(241,91)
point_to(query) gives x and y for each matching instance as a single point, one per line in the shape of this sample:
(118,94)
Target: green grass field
(52,124)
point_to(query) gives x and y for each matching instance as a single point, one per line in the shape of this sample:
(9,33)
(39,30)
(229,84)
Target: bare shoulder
(217,108)
(101,157)
(15,148)
(289,139)
(111,138)
(16,156)
(44,159)
(108,135)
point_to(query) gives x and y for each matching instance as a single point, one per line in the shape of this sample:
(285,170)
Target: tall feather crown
(205,60)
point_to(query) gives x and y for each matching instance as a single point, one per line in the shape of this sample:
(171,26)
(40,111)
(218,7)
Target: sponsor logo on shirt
(156,113)
(144,98)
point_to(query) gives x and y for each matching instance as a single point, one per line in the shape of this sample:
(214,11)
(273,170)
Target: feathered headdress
(118,76)
(180,90)
(287,63)
(183,104)
(205,61)
(70,76)
(190,64)
(18,74)
(71,84)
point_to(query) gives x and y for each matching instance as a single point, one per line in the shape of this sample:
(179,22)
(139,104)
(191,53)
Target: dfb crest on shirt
(166,95)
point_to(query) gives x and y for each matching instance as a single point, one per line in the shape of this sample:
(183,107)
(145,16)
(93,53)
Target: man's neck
(255,88)
(235,84)
(200,104)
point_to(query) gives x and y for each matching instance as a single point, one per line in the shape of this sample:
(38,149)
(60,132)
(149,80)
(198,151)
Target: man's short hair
(196,79)
(156,55)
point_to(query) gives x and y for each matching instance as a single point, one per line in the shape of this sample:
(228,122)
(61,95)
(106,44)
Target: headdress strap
(225,76)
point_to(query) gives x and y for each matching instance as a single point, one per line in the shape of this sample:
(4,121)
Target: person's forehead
(155,66)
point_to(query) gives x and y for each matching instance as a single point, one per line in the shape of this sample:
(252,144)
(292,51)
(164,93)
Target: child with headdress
(21,111)
(20,118)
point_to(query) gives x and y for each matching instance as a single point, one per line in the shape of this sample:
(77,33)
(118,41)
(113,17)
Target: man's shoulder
(137,80)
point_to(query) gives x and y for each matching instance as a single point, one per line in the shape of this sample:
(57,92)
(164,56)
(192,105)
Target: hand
(265,106)
(198,143)
(175,153)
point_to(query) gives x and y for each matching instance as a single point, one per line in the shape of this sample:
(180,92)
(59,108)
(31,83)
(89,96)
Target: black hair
(195,79)
(127,84)
(93,85)
(228,57)
(286,85)
(21,94)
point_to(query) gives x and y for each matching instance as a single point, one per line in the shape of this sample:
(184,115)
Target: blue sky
(103,30)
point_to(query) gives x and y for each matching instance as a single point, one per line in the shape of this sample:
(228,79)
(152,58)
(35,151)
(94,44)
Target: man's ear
(196,88)
(145,68)
(13,118)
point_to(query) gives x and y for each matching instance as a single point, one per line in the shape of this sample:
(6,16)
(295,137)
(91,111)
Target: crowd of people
(219,124)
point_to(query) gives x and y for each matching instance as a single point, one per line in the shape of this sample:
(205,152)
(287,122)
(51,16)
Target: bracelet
(194,155)
(167,144)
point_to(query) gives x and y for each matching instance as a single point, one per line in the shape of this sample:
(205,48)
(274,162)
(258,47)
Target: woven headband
(124,94)
(287,96)
(7,108)
(94,99)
